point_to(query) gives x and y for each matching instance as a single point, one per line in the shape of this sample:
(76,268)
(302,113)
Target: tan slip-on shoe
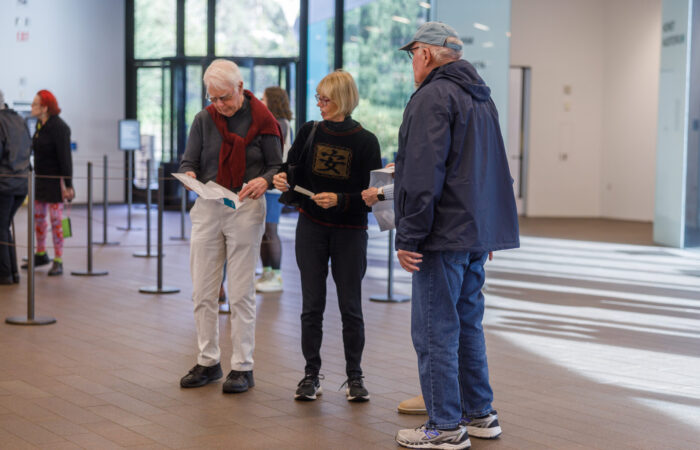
(414,405)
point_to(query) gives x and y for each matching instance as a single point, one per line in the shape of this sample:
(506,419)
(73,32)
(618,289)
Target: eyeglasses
(322,100)
(223,98)
(410,51)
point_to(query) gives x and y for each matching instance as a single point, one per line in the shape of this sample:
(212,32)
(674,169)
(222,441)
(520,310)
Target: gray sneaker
(423,437)
(486,427)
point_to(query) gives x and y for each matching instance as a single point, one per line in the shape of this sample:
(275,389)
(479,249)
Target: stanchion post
(160,289)
(105,203)
(147,253)
(89,272)
(30,319)
(183,212)
(390,297)
(129,189)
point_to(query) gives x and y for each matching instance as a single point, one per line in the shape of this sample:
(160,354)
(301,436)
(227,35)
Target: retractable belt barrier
(105,203)
(159,288)
(183,212)
(89,272)
(147,253)
(30,319)
(390,296)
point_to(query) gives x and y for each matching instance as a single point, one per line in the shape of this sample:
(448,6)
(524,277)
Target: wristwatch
(380,194)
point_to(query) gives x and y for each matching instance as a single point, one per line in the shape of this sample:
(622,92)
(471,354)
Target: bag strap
(309,141)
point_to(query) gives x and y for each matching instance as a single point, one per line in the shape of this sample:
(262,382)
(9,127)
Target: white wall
(592,150)
(562,41)
(630,108)
(75,48)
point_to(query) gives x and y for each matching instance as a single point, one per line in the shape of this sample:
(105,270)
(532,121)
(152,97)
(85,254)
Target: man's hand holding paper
(383,210)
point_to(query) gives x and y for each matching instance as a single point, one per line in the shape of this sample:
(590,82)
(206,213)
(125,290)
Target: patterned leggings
(41,225)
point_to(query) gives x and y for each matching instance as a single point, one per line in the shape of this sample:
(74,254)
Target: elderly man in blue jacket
(454,204)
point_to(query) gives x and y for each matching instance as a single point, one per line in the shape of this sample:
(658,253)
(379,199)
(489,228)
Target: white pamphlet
(301,190)
(210,190)
(383,211)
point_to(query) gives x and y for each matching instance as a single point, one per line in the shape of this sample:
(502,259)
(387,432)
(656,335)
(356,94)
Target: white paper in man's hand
(191,183)
(222,193)
(383,211)
(210,191)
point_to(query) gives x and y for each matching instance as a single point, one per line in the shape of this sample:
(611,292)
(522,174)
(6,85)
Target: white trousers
(219,234)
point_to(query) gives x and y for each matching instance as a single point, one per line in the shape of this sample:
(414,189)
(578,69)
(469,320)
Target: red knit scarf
(232,153)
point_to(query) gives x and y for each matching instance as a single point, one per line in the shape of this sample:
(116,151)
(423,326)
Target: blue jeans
(446,313)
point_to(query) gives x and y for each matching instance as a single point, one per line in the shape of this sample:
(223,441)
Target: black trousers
(9,204)
(347,250)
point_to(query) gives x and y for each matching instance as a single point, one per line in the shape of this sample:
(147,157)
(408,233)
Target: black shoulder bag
(295,171)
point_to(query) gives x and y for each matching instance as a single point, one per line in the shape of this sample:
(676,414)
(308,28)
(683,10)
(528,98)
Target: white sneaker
(486,427)
(269,282)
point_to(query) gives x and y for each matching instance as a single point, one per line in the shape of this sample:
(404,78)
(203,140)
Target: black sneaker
(201,375)
(237,382)
(356,391)
(39,260)
(485,427)
(309,388)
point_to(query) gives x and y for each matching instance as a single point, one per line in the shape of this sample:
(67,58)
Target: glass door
(179,94)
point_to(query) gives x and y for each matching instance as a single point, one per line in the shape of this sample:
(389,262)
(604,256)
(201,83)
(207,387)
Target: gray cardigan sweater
(263,155)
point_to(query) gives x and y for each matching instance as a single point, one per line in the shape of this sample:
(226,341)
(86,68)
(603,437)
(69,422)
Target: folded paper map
(210,190)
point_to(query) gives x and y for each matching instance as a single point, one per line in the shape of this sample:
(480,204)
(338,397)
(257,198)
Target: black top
(51,145)
(339,161)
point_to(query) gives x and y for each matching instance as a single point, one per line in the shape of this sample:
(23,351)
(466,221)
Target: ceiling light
(400,19)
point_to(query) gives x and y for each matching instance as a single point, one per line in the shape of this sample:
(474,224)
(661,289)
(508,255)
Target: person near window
(15,145)
(453,204)
(236,142)
(276,100)
(332,226)
(53,166)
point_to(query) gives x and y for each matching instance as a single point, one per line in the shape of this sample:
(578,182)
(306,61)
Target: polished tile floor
(591,345)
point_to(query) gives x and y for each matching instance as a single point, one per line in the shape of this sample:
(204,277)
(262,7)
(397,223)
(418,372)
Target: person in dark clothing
(54,171)
(332,225)
(15,145)
(454,204)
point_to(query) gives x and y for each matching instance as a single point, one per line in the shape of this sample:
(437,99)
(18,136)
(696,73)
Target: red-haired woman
(54,170)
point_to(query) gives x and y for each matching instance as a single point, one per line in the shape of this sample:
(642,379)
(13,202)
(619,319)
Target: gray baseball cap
(434,33)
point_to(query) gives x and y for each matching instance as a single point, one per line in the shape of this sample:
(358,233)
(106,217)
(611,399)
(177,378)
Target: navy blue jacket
(452,187)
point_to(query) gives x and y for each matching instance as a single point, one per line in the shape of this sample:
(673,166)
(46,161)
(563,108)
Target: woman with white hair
(236,142)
